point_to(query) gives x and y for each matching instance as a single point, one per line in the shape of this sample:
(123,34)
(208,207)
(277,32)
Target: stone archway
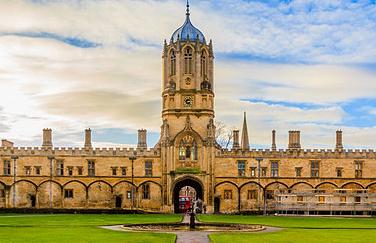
(187,181)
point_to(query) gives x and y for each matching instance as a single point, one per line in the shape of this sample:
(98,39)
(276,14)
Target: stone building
(242,179)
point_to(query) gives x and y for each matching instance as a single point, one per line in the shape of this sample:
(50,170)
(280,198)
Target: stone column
(274,146)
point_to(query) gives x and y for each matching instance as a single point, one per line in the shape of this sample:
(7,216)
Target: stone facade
(229,181)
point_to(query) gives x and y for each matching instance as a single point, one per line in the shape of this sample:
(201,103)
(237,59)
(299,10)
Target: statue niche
(188,148)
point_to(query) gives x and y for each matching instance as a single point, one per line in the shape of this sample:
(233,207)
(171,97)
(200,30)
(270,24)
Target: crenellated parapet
(69,151)
(300,153)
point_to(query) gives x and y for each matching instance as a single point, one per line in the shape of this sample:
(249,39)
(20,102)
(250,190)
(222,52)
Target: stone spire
(245,140)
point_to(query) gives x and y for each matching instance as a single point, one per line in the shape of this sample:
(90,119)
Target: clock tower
(187,140)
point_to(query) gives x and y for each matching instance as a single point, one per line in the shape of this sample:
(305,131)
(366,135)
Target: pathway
(191,236)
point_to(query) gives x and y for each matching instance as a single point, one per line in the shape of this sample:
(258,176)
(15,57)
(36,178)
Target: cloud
(290,64)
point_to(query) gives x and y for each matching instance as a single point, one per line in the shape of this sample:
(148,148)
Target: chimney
(142,139)
(339,145)
(235,142)
(274,146)
(88,139)
(6,143)
(47,138)
(245,140)
(294,140)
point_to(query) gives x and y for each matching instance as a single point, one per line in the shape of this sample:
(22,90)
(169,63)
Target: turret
(294,140)
(88,139)
(47,138)
(142,139)
(339,145)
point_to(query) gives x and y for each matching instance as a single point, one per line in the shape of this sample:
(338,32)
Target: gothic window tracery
(172,63)
(188,148)
(188,60)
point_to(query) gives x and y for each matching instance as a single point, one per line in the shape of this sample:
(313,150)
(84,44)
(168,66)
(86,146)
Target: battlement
(299,153)
(70,151)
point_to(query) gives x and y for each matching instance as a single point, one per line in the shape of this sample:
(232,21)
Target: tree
(223,134)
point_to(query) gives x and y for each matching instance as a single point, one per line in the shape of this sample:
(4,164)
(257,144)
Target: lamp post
(51,158)
(132,158)
(258,179)
(14,158)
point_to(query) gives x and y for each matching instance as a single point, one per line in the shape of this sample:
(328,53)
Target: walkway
(191,236)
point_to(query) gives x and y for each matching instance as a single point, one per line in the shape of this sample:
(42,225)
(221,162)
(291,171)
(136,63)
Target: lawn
(78,228)
(298,229)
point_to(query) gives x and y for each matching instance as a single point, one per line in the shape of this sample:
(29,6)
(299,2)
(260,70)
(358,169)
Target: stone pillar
(47,138)
(274,146)
(294,140)
(88,139)
(235,137)
(339,145)
(142,139)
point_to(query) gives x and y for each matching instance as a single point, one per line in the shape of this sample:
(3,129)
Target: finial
(187,8)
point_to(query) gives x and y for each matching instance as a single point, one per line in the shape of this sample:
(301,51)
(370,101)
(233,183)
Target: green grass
(78,228)
(298,229)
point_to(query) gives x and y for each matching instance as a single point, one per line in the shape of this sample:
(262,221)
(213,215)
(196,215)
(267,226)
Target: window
(91,168)
(204,67)
(79,170)
(299,199)
(315,168)
(172,63)
(269,194)
(68,193)
(188,149)
(114,171)
(343,199)
(263,171)
(188,61)
(252,195)
(241,168)
(357,200)
(227,194)
(123,171)
(339,171)
(148,168)
(274,169)
(60,167)
(37,170)
(6,167)
(70,170)
(298,171)
(146,191)
(27,170)
(253,171)
(321,199)
(2,193)
(358,169)
(129,194)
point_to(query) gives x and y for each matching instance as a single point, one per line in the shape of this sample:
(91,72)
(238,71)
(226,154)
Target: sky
(307,65)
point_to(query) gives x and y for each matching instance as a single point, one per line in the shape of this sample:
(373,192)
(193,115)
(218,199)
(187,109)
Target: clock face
(188,101)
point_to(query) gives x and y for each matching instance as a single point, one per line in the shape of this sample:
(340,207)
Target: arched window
(204,65)
(188,61)
(188,149)
(172,63)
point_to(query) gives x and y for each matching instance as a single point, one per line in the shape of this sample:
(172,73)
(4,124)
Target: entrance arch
(186,181)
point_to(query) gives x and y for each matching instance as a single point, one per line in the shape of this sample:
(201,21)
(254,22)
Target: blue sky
(292,64)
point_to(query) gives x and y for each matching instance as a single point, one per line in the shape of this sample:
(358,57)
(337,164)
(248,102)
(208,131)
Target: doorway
(32,201)
(118,201)
(217,205)
(186,192)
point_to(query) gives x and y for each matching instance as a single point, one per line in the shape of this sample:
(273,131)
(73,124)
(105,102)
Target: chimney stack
(47,138)
(6,143)
(88,139)
(339,145)
(142,139)
(274,146)
(294,140)
(235,142)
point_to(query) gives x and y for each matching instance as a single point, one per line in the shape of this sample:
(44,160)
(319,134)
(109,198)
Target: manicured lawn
(298,229)
(78,228)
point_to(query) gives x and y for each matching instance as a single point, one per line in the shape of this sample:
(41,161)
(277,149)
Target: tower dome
(187,31)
